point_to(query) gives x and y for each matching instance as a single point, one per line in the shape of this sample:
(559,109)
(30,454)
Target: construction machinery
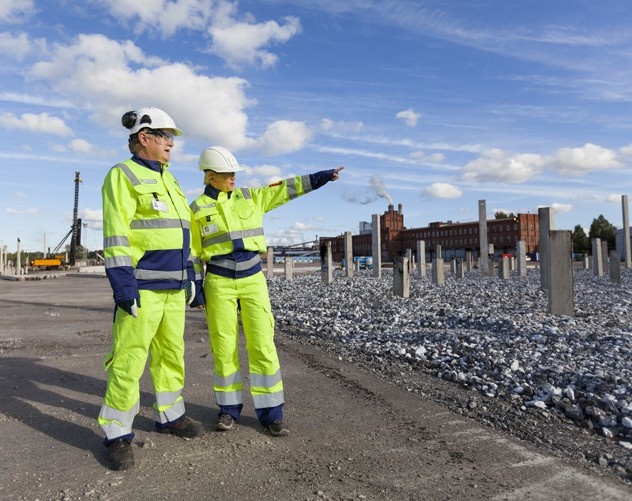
(54,260)
(48,263)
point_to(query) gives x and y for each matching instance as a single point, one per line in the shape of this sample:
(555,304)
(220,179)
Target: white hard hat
(218,159)
(151,118)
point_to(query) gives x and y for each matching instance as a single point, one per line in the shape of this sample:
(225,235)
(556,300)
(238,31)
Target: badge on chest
(159,206)
(209,229)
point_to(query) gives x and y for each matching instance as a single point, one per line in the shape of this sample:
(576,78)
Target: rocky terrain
(495,354)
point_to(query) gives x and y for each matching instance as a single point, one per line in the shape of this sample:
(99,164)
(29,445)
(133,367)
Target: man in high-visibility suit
(148,261)
(229,221)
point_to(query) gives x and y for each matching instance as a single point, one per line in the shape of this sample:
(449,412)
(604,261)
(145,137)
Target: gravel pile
(486,334)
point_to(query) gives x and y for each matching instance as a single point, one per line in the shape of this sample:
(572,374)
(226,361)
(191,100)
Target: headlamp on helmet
(151,118)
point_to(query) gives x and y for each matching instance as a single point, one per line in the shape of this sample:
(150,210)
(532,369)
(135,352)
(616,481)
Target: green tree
(603,229)
(581,242)
(503,215)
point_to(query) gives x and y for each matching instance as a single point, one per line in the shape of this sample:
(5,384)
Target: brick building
(455,239)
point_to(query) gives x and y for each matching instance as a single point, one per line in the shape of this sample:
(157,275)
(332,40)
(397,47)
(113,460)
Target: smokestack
(391,207)
(400,209)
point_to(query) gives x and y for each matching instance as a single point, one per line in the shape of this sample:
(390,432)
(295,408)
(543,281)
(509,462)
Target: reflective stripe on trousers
(157,332)
(266,385)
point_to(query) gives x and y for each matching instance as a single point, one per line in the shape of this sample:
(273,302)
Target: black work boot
(224,422)
(120,455)
(278,428)
(184,427)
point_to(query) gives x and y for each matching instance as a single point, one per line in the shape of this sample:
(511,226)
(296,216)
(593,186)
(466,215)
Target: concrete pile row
(484,332)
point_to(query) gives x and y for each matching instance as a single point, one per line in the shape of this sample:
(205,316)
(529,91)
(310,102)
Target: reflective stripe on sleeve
(307,184)
(116,261)
(115,241)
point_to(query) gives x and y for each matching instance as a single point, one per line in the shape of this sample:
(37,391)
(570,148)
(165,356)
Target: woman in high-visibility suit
(229,221)
(148,261)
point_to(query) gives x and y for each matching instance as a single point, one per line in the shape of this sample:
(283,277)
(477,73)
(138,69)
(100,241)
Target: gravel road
(358,430)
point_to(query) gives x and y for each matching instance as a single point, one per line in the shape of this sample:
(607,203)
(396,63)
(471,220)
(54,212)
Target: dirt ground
(355,434)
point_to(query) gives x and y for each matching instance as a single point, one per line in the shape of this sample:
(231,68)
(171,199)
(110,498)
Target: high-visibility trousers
(266,387)
(157,332)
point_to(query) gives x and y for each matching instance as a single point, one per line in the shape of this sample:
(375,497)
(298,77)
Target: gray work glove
(130,306)
(190,292)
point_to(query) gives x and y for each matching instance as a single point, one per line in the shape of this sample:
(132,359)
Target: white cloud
(268,172)
(92,218)
(410,116)
(16,45)
(297,233)
(614,198)
(557,207)
(588,158)
(243,43)
(329,125)
(81,146)
(36,100)
(423,157)
(260,175)
(284,136)
(9,211)
(626,150)
(499,166)
(164,17)
(91,215)
(443,190)
(12,11)
(581,196)
(35,123)
(239,42)
(100,71)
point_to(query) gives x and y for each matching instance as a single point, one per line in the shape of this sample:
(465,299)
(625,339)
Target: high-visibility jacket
(231,224)
(146,230)
(231,229)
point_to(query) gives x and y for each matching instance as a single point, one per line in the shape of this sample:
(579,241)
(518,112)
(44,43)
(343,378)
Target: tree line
(600,228)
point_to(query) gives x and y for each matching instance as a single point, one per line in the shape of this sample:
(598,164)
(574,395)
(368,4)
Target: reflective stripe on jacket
(146,230)
(232,223)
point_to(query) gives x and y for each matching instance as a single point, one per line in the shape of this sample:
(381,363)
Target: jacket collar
(154,165)
(209,191)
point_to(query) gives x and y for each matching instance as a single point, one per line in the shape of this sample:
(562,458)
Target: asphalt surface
(353,436)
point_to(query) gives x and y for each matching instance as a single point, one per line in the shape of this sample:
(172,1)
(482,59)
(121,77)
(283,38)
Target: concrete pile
(485,333)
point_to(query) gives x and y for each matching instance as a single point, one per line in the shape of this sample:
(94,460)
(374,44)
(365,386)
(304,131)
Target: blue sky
(431,104)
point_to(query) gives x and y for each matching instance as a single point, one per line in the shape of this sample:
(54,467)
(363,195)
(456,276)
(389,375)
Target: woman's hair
(207,176)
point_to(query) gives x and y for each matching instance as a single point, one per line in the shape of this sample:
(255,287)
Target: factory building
(455,239)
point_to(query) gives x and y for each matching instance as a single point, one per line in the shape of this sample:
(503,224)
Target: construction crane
(75,229)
